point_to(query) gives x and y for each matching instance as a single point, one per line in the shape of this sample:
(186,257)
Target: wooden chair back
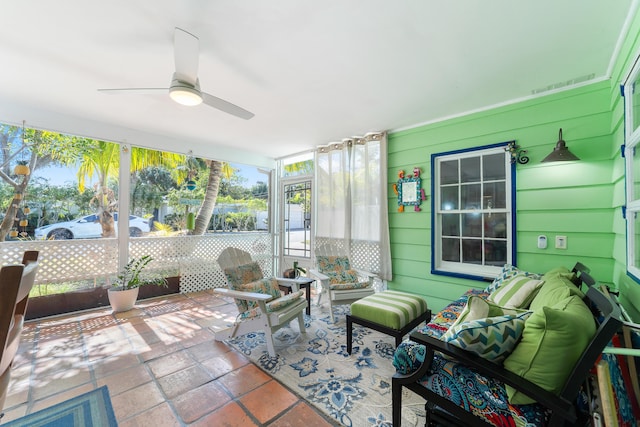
(16,282)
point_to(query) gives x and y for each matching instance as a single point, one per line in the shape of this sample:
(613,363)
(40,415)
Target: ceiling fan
(185,85)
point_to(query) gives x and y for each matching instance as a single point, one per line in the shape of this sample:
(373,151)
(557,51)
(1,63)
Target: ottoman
(390,312)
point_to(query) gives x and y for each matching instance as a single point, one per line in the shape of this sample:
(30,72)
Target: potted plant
(124,292)
(293,273)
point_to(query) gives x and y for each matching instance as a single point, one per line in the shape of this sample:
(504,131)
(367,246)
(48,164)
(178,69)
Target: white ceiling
(313,72)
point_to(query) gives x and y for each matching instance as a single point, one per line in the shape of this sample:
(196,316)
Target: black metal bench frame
(560,407)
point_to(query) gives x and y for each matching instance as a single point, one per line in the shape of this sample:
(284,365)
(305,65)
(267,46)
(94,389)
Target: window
(632,174)
(473,207)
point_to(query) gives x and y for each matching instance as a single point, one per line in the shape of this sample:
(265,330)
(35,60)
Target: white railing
(193,258)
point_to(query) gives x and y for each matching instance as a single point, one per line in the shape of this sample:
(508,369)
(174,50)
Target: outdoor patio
(161,364)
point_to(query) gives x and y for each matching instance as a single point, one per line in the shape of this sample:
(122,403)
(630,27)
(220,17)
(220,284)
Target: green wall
(582,200)
(629,289)
(575,199)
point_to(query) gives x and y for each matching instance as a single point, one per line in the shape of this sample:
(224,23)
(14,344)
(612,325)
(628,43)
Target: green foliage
(241,220)
(131,275)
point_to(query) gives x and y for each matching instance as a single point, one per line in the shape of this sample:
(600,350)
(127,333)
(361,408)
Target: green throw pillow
(516,292)
(556,288)
(553,340)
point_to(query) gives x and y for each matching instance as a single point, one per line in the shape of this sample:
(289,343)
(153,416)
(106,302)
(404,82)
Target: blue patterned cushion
(508,271)
(492,338)
(408,357)
(484,397)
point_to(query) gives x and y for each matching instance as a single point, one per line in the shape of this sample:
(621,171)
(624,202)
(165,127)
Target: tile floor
(161,364)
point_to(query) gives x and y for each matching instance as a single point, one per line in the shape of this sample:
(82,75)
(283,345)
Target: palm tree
(103,160)
(216,171)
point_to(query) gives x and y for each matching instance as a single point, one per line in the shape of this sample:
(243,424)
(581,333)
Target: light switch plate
(561,242)
(542,241)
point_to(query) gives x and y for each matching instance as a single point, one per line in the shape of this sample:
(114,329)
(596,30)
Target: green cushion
(492,338)
(392,309)
(557,287)
(553,340)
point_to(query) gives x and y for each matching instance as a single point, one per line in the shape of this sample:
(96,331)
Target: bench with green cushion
(390,312)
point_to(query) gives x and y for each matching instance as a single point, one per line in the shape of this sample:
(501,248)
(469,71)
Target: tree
(103,160)
(216,171)
(36,148)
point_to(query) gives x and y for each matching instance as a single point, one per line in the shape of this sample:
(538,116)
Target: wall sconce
(560,153)
(517,154)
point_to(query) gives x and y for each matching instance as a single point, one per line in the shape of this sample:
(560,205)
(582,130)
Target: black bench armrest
(543,397)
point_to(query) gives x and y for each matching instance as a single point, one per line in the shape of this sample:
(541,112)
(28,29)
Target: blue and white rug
(354,390)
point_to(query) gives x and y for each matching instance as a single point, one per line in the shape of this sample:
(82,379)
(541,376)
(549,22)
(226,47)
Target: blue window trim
(514,245)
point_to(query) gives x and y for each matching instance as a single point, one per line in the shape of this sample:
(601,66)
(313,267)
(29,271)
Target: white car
(87,227)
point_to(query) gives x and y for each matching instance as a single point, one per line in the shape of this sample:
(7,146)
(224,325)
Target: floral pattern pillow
(243,274)
(262,286)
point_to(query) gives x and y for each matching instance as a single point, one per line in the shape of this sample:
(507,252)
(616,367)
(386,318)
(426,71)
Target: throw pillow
(408,357)
(492,338)
(508,271)
(516,292)
(335,264)
(479,308)
(243,274)
(553,340)
(556,288)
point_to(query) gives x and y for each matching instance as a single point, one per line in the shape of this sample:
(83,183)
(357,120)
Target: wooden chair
(260,303)
(16,282)
(340,282)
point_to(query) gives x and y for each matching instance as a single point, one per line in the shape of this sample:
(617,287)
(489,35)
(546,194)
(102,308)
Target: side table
(303,283)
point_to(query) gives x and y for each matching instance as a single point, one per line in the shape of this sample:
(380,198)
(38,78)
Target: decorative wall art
(409,190)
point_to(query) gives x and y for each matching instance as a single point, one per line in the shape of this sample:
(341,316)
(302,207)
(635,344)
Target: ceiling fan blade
(136,91)
(186,48)
(226,106)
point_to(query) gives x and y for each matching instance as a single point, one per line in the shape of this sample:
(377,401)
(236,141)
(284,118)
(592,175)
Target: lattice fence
(191,257)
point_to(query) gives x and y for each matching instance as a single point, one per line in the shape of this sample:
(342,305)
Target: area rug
(354,390)
(91,409)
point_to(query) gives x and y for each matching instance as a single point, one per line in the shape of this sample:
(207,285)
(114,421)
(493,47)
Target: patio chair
(340,282)
(259,300)
(16,282)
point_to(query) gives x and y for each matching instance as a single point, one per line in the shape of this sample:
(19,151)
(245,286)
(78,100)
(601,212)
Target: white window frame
(461,269)
(632,141)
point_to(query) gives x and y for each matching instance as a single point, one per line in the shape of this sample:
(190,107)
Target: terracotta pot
(122,300)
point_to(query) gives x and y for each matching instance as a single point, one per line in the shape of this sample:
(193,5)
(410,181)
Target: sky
(62,175)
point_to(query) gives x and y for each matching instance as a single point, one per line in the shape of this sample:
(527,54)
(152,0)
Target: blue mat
(91,409)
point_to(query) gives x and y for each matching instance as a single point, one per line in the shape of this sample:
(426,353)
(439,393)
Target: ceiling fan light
(185,96)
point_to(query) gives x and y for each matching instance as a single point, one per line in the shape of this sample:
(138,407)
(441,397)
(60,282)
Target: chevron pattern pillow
(492,338)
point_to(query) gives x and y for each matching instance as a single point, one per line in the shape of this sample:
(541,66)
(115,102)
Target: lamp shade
(560,152)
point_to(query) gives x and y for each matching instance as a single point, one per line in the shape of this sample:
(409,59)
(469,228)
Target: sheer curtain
(352,213)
